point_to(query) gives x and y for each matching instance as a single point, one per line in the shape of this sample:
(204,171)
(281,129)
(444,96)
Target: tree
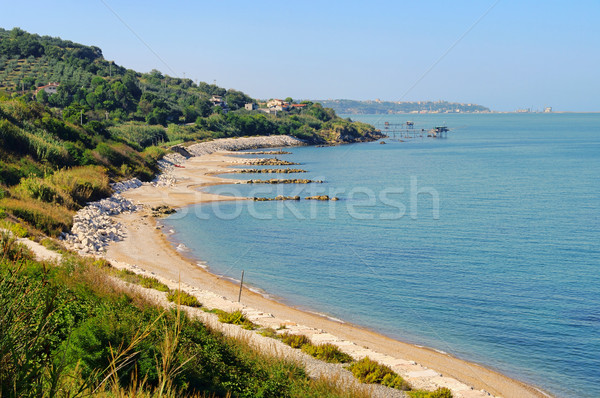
(75,113)
(42,96)
(236,99)
(190,114)
(204,107)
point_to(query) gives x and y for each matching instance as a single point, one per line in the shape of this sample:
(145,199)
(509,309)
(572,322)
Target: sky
(503,54)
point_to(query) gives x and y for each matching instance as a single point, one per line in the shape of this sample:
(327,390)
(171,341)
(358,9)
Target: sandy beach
(146,247)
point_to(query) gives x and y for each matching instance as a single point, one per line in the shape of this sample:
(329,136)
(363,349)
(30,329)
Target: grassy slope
(71,331)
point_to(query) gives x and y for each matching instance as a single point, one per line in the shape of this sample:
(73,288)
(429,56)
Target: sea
(484,244)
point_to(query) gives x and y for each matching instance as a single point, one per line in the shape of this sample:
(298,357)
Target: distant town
(344,106)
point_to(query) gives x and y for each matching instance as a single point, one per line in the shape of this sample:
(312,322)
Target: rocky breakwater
(285,181)
(167,165)
(239,144)
(93,228)
(268,153)
(274,171)
(278,197)
(322,197)
(119,187)
(264,162)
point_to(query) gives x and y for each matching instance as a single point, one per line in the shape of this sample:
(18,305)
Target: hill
(344,106)
(98,90)
(102,123)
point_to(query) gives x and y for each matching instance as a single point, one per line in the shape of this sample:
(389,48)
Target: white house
(50,88)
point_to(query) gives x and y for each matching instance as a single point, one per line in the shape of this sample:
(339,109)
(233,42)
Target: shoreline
(147,247)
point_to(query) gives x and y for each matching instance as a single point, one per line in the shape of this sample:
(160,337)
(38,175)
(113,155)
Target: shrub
(12,250)
(371,372)
(17,229)
(235,318)
(82,184)
(182,298)
(153,283)
(295,340)
(37,188)
(145,281)
(327,352)
(268,332)
(442,392)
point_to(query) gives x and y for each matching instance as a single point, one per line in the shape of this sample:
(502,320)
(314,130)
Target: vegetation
(94,89)
(295,340)
(369,371)
(71,331)
(182,298)
(234,318)
(439,393)
(144,281)
(327,352)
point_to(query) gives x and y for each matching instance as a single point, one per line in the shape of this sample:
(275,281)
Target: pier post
(241,285)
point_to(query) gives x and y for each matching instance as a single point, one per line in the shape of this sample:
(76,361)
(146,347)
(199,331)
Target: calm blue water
(485,244)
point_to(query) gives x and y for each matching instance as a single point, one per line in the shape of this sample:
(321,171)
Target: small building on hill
(251,106)
(50,88)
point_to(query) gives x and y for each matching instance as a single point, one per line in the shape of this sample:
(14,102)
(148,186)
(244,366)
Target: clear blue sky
(521,54)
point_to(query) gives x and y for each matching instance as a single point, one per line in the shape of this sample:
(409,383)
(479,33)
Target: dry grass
(46,217)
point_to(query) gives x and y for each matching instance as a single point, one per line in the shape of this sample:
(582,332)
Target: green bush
(268,332)
(371,372)
(17,229)
(37,188)
(144,281)
(235,318)
(12,250)
(182,298)
(295,340)
(327,352)
(82,184)
(153,283)
(442,392)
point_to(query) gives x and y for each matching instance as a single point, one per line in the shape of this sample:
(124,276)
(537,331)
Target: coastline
(148,248)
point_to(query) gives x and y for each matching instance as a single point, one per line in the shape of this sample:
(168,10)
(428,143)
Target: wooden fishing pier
(408,130)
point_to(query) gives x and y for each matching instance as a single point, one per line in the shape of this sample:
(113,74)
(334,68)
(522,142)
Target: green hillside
(98,90)
(107,123)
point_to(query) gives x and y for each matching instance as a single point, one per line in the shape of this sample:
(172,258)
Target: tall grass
(140,134)
(82,184)
(48,218)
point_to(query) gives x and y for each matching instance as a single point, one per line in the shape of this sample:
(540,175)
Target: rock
(276,171)
(266,162)
(284,181)
(278,197)
(321,197)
